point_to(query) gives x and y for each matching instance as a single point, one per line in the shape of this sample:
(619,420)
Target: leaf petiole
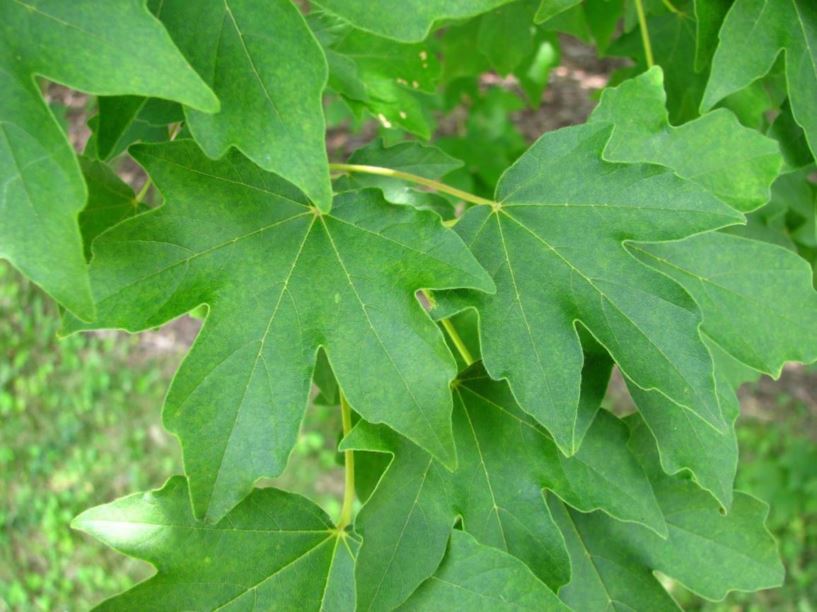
(349,466)
(645,33)
(452,332)
(413,178)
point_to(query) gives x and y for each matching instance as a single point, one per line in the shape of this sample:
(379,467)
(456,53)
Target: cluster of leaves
(671,235)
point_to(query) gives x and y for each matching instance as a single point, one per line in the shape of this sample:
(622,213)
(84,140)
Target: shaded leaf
(548,9)
(709,15)
(123,120)
(708,552)
(109,201)
(507,35)
(673,39)
(412,157)
(387,78)
(505,462)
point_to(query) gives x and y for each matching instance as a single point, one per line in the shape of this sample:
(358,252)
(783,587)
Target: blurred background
(81,421)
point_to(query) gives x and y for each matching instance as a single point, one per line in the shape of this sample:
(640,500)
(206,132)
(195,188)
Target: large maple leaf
(281,280)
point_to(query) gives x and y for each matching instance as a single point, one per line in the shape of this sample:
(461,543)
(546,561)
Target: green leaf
(477,577)
(695,150)
(506,35)
(280,280)
(109,201)
(269,73)
(502,446)
(123,120)
(101,48)
(673,43)
(548,9)
(687,443)
(505,462)
(708,552)
(601,581)
(553,245)
(408,20)
(791,138)
(709,16)
(757,299)
(405,524)
(276,550)
(754,33)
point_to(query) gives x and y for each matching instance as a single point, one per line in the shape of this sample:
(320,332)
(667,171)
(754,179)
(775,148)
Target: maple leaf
(269,73)
(101,48)
(505,462)
(276,550)
(281,280)
(754,33)
(553,243)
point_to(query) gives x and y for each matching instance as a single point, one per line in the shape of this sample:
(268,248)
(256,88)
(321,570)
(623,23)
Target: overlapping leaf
(757,299)
(686,443)
(709,15)
(477,577)
(708,552)
(102,48)
(280,280)
(408,20)
(505,462)
(269,72)
(123,120)
(647,136)
(109,201)
(753,35)
(553,244)
(276,550)
(674,40)
(389,79)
